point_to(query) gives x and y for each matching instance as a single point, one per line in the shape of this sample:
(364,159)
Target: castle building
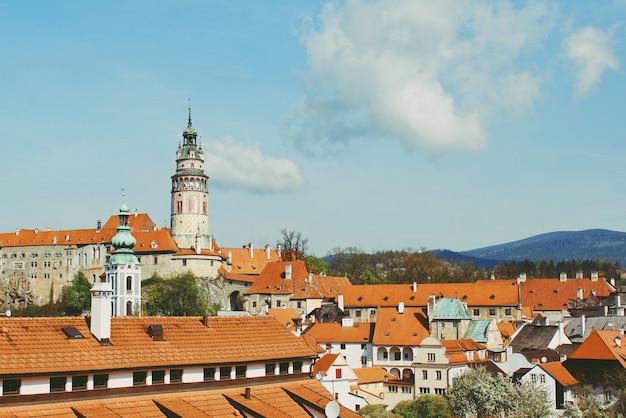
(35,265)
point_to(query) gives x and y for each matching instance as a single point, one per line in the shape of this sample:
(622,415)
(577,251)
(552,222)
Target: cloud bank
(425,74)
(589,50)
(239,166)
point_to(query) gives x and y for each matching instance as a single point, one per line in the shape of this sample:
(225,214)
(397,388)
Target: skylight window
(72,333)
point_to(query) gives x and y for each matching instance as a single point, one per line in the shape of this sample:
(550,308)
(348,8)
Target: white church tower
(190,195)
(123,271)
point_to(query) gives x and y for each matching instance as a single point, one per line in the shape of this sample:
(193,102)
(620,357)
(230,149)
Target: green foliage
(315,265)
(377,411)
(179,295)
(425,406)
(550,268)
(77,297)
(477,393)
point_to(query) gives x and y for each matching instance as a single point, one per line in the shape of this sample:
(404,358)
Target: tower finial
(189,108)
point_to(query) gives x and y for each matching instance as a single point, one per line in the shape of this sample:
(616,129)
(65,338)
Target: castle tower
(190,194)
(123,271)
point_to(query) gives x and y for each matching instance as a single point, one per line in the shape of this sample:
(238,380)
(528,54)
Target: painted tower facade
(190,194)
(123,270)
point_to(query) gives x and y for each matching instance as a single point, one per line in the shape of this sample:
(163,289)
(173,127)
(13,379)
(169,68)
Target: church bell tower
(190,194)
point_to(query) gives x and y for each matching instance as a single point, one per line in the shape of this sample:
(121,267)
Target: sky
(378,125)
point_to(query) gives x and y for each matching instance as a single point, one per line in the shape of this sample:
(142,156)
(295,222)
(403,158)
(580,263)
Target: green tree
(77,297)
(179,295)
(425,406)
(377,411)
(315,265)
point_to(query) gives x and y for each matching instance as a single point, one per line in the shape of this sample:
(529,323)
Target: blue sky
(374,124)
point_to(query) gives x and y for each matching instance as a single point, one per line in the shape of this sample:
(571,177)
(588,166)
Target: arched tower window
(129,308)
(129,283)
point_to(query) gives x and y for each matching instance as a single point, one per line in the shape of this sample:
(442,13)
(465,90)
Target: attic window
(531,291)
(464,297)
(155,331)
(415,334)
(393,319)
(386,298)
(492,297)
(72,333)
(387,334)
(412,298)
(154,244)
(360,298)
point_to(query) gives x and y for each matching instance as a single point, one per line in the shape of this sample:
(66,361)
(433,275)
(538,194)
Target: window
(225,372)
(358,313)
(34,255)
(18,265)
(299,304)
(240,372)
(297,367)
(492,312)
(431,357)
(129,284)
(407,389)
(209,374)
(343,346)
(424,390)
(79,383)
(338,373)
(184,263)
(397,355)
(156,260)
(425,374)
(393,389)
(100,381)
(57,384)
(254,304)
(542,378)
(269,369)
(438,374)
(533,378)
(158,377)
(11,386)
(33,264)
(176,376)
(278,303)
(363,360)
(507,311)
(440,391)
(476,312)
(139,378)
(283,368)
(363,346)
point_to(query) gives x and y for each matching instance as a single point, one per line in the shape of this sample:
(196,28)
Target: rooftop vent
(72,333)
(155,331)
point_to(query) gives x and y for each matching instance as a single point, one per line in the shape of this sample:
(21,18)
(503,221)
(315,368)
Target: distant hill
(591,244)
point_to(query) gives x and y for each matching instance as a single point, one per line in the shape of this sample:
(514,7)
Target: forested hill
(591,244)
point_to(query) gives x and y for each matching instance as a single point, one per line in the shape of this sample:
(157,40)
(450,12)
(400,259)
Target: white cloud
(245,167)
(589,50)
(425,74)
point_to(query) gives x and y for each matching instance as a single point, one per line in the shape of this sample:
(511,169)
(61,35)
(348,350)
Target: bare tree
(293,244)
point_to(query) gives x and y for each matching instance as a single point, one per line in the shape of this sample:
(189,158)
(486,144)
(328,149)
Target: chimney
(101,295)
(414,287)
(278,250)
(563,277)
(340,301)
(583,326)
(155,331)
(247,393)
(522,278)
(401,307)
(230,256)
(432,303)
(612,281)
(618,342)
(580,293)
(251,249)
(288,271)
(267,251)
(579,274)
(98,225)
(594,276)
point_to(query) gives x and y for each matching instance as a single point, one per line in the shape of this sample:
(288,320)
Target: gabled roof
(323,364)
(332,332)
(286,316)
(330,286)
(249,262)
(39,345)
(477,330)
(480,293)
(554,294)
(507,329)
(273,280)
(405,329)
(450,309)
(534,337)
(462,345)
(288,399)
(373,375)
(599,323)
(559,373)
(602,345)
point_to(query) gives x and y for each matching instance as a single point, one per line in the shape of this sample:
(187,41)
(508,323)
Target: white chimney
(432,303)
(522,278)
(101,296)
(267,251)
(340,301)
(563,277)
(288,271)
(583,326)
(230,256)
(594,276)
(579,274)
(251,249)
(580,293)
(278,250)
(414,287)
(618,342)
(401,307)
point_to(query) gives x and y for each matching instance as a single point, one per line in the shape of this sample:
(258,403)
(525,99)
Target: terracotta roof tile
(395,328)
(37,345)
(559,373)
(553,294)
(333,332)
(323,364)
(372,375)
(601,345)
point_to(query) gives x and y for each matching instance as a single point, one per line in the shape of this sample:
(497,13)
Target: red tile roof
(553,294)
(286,399)
(395,328)
(332,332)
(38,345)
(559,373)
(242,263)
(323,364)
(274,281)
(372,375)
(602,345)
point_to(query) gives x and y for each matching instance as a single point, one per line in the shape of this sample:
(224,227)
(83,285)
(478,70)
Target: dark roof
(533,337)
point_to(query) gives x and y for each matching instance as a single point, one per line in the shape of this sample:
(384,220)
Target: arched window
(395,354)
(382,353)
(395,372)
(407,354)
(129,283)
(407,375)
(129,308)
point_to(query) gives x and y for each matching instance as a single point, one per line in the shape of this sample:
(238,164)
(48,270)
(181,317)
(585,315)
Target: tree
(293,244)
(315,265)
(478,393)
(425,406)
(376,411)
(179,295)
(77,297)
